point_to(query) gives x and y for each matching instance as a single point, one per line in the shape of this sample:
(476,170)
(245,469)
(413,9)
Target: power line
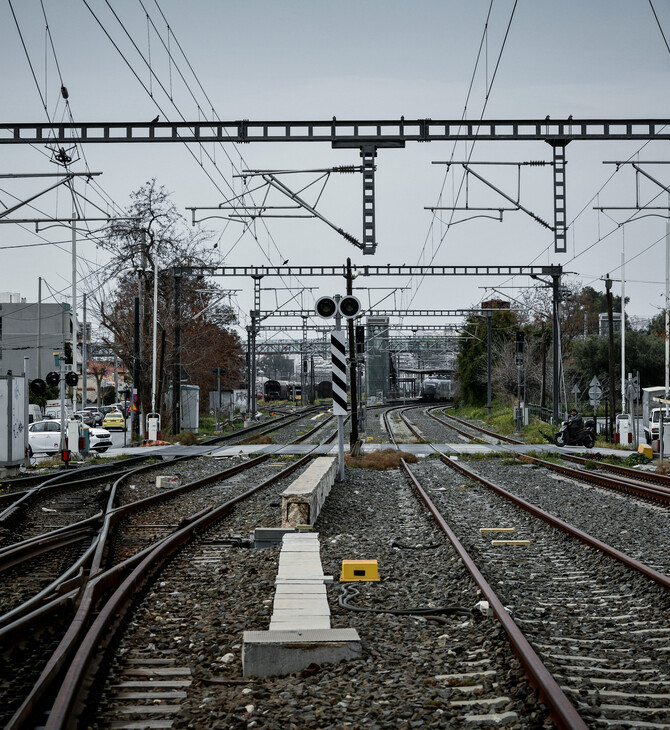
(658,22)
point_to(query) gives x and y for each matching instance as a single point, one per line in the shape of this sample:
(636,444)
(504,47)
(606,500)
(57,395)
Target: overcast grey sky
(378,59)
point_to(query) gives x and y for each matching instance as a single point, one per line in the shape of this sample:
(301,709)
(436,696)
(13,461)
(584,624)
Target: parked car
(85,417)
(97,414)
(44,436)
(34,413)
(114,419)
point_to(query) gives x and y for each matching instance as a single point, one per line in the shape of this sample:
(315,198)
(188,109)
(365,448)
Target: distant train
(433,389)
(281,390)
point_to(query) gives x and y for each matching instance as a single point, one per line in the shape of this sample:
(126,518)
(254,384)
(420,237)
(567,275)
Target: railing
(544,414)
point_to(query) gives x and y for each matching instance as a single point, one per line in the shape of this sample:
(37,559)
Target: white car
(44,436)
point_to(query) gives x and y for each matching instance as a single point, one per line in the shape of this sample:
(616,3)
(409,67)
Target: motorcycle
(586,436)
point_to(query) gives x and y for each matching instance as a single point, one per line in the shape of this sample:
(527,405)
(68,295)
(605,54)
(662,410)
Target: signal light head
(71,378)
(326,307)
(53,378)
(349,306)
(38,387)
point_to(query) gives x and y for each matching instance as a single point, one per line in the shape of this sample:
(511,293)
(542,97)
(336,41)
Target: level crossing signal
(348,307)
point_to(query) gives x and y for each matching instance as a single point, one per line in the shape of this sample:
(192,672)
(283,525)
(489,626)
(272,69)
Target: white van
(34,413)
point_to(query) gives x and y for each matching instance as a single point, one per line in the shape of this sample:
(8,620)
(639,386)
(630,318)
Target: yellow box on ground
(359,570)
(645,450)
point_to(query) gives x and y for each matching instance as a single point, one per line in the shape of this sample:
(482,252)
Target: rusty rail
(561,710)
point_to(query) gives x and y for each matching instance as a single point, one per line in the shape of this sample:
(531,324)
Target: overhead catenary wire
(472,147)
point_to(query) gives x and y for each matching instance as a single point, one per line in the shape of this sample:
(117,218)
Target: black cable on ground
(349,591)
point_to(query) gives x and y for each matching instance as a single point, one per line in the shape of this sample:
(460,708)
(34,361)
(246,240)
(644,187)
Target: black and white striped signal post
(339,307)
(339,360)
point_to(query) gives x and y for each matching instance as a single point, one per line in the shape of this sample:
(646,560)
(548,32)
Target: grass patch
(539,432)
(379,460)
(546,456)
(258,440)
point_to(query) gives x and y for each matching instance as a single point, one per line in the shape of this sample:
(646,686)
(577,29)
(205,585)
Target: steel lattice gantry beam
(367,135)
(404,344)
(349,133)
(388,270)
(384,313)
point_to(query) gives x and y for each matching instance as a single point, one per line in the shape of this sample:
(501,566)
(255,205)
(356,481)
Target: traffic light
(38,387)
(71,379)
(520,342)
(326,307)
(53,379)
(360,339)
(68,353)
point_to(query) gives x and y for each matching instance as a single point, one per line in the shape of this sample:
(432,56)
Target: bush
(379,460)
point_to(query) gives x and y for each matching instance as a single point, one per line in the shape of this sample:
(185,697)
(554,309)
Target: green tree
(644,353)
(276,366)
(471,361)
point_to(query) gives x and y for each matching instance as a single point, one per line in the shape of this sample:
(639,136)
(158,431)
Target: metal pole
(353,437)
(84,359)
(667,329)
(556,280)
(136,368)
(74,299)
(611,392)
(489,317)
(254,330)
(116,377)
(218,397)
(176,358)
(61,385)
(39,327)
(623,327)
(153,351)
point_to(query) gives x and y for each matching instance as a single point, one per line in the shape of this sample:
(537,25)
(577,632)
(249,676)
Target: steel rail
(467,435)
(40,480)
(618,484)
(101,583)
(86,660)
(624,471)
(561,710)
(498,436)
(654,575)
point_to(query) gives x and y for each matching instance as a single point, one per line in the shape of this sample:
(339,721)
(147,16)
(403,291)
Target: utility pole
(610,327)
(489,320)
(353,436)
(39,327)
(176,357)
(84,357)
(74,298)
(556,294)
(134,398)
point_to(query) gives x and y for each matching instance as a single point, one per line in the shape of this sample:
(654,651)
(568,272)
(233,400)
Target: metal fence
(544,414)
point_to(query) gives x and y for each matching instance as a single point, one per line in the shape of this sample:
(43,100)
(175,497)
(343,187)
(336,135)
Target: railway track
(117,550)
(594,626)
